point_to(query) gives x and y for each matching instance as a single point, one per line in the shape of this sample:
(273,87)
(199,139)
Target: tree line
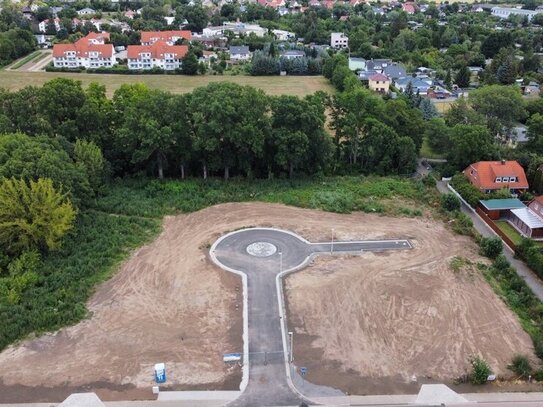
(222,129)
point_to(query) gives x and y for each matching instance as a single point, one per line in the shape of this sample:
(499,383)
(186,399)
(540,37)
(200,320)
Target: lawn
(272,85)
(509,231)
(427,152)
(25,60)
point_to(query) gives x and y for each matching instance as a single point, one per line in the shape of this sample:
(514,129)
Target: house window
(512,179)
(505,179)
(499,179)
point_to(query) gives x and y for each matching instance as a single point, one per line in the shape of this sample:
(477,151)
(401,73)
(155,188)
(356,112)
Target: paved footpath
(533,281)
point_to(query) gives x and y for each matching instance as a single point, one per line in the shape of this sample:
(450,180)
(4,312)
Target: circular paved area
(262,249)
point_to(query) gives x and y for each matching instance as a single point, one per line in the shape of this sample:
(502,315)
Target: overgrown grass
(67,277)
(25,60)
(130,213)
(341,195)
(509,231)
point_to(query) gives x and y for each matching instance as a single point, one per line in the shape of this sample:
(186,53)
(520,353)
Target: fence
(495,228)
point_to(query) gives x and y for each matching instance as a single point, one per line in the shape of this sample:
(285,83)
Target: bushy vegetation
(521,366)
(532,254)
(450,202)
(471,194)
(480,370)
(518,296)
(491,247)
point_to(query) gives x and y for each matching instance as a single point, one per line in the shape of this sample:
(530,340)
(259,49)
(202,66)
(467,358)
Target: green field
(272,85)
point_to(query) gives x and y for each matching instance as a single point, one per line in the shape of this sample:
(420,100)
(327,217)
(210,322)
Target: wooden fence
(496,229)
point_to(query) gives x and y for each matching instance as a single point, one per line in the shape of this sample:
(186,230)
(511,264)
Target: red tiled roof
(152,36)
(82,47)
(408,7)
(103,36)
(538,199)
(157,50)
(378,77)
(483,175)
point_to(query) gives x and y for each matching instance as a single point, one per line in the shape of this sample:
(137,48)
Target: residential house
(169,37)
(409,8)
(28,13)
(528,221)
(283,35)
(339,40)
(490,176)
(160,54)
(379,83)
(357,64)
(365,74)
(208,56)
(87,52)
(129,14)
(56,10)
(239,53)
(43,25)
(394,71)
(506,12)
(378,64)
(86,11)
(292,54)
(531,89)
(237,28)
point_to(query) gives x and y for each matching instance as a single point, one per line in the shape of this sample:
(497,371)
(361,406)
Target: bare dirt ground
(368,324)
(357,320)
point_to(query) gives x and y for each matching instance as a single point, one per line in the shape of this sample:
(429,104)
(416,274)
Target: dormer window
(505,179)
(512,179)
(499,179)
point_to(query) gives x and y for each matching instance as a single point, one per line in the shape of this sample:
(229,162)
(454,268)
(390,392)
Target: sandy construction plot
(369,324)
(372,315)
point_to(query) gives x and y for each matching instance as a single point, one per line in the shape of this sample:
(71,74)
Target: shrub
(491,247)
(501,263)
(479,370)
(532,255)
(462,224)
(450,202)
(521,366)
(467,191)
(538,375)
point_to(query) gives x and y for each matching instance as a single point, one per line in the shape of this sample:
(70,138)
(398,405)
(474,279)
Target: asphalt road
(281,252)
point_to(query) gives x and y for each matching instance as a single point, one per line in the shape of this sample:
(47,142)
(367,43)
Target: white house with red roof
(339,40)
(88,52)
(169,37)
(158,55)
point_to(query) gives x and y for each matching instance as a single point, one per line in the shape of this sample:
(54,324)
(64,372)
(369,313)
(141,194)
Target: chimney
(503,162)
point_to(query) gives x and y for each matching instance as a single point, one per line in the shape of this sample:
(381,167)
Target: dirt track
(378,315)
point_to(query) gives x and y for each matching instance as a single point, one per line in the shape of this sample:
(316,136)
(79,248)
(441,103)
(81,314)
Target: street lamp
(291,336)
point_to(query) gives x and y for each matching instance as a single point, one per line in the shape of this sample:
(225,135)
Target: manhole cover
(261,249)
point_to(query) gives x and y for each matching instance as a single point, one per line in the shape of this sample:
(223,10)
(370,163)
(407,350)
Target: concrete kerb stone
(245,334)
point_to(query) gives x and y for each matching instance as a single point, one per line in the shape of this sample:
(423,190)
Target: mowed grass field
(272,85)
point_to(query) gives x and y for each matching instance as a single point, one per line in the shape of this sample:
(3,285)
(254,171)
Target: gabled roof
(538,199)
(157,50)
(102,36)
(483,175)
(239,49)
(82,47)
(378,77)
(152,36)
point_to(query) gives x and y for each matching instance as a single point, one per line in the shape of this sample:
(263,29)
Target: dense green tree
(33,215)
(469,144)
(30,158)
(496,41)
(89,158)
(229,125)
(501,105)
(463,77)
(437,134)
(190,64)
(535,133)
(428,109)
(460,112)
